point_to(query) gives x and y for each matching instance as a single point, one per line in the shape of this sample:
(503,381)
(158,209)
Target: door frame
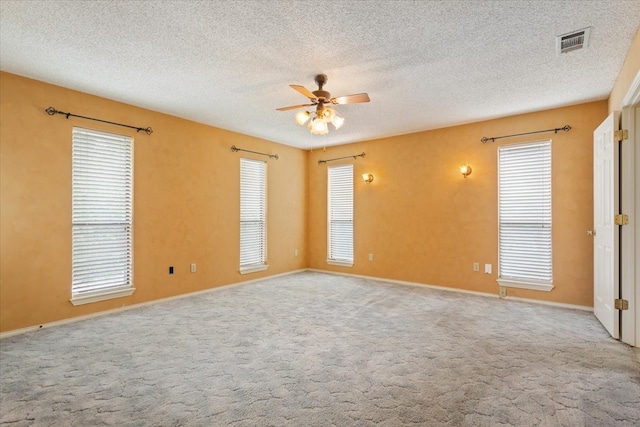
(630,205)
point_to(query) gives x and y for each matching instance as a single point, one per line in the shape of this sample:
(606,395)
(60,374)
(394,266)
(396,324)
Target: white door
(605,206)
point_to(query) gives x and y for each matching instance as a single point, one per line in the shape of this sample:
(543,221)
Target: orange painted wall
(186,203)
(422,221)
(425,223)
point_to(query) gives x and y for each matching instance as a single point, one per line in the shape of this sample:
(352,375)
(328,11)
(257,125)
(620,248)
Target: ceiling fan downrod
(323,95)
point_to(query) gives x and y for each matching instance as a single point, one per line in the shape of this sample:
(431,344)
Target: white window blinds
(102,215)
(525,212)
(253,213)
(340,215)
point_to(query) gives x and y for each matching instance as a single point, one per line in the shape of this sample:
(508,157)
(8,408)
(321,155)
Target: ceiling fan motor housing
(322,94)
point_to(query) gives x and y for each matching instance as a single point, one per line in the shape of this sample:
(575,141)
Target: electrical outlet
(370,257)
(193,267)
(503,292)
(487,268)
(476,266)
(171,269)
(295,253)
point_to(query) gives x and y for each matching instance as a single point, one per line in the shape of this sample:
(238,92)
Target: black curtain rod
(234,149)
(51,111)
(341,158)
(566,128)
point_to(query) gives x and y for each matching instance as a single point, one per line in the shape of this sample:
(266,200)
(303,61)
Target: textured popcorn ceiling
(425,64)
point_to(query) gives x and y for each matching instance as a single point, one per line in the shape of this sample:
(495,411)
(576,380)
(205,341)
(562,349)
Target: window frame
(539,261)
(347,216)
(90,158)
(251,188)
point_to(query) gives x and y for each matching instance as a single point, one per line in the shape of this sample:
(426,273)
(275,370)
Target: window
(340,215)
(524,193)
(253,216)
(102,216)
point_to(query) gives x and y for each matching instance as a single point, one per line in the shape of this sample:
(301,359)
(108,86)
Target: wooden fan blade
(351,99)
(293,107)
(303,90)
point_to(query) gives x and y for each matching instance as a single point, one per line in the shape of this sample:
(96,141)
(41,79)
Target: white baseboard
(15,332)
(204,291)
(552,303)
(403,282)
(464,291)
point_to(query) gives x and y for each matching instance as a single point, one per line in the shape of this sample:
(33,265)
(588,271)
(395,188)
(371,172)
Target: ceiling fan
(322,100)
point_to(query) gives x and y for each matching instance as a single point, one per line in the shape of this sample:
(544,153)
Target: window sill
(102,296)
(253,268)
(340,263)
(521,284)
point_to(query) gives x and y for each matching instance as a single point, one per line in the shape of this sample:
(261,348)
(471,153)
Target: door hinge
(621,304)
(621,219)
(621,135)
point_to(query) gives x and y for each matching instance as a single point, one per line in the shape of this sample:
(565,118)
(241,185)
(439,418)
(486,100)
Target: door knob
(591,232)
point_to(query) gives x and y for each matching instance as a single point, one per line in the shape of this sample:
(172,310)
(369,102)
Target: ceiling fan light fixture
(328,114)
(337,121)
(302,117)
(318,126)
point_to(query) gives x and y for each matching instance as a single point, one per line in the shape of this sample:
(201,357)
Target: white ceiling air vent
(572,41)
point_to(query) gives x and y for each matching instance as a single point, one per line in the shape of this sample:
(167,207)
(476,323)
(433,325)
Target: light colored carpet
(313,349)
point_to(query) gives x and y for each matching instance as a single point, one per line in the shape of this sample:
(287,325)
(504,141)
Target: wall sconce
(367,177)
(465,170)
